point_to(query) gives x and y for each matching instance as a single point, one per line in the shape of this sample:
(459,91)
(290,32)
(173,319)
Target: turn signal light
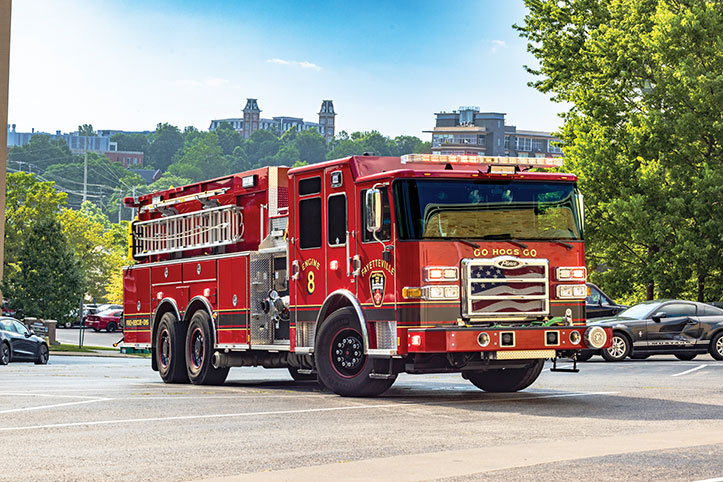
(408,292)
(574,273)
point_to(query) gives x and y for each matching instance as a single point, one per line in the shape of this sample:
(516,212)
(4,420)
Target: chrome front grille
(505,287)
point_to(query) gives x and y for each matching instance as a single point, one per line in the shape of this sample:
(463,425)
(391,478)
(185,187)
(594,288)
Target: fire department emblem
(377,283)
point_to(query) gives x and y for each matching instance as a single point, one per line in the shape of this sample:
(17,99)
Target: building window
(331,121)
(523,144)
(322,121)
(507,142)
(538,144)
(554,147)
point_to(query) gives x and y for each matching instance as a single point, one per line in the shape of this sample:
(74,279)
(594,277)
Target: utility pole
(85,170)
(5,9)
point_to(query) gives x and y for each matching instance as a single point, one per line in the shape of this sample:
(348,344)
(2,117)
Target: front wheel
(341,363)
(111,327)
(506,379)
(716,346)
(43,355)
(199,350)
(619,349)
(169,344)
(4,354)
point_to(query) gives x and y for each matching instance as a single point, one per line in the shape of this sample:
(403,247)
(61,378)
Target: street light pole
(5,9)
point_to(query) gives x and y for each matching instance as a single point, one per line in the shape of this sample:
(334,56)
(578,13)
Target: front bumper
(512,342)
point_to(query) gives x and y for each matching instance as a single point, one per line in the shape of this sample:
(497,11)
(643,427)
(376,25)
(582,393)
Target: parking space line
(42,407)
(49,395)
(689,371)
(286,412)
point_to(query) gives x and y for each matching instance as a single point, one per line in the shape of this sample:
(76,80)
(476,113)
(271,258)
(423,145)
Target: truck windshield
(466,209)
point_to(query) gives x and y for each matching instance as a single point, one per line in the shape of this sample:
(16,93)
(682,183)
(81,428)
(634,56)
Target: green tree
(131,142)
(166,141)
(202,159)
(644,133)
(46,281)
(228,138)
(311,146)
(41,152)
(86,130)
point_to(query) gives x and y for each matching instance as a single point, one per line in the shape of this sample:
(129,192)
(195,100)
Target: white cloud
(497,44)
(211,82)
(303,65)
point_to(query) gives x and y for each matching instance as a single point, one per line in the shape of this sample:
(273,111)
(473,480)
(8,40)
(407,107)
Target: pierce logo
(508,263)
(377,284)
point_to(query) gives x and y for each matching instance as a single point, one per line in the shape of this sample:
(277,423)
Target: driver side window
(20,328)
(678,309)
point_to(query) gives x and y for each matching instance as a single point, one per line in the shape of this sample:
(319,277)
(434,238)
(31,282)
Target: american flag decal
(492,290)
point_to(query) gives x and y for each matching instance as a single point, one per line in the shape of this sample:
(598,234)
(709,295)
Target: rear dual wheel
(169,343)
(506,379)
(199,352)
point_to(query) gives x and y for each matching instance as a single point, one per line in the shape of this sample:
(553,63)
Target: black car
(18,344)
(676,327)
(599,304)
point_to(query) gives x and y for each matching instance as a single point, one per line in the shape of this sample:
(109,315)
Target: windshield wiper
(504,237)
(567,245)
(469,243)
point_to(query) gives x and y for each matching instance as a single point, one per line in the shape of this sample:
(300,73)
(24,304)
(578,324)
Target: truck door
(376,277)
(338,242)
(308,268)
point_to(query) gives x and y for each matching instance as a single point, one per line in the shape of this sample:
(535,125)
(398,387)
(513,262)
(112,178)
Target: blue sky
(387,65)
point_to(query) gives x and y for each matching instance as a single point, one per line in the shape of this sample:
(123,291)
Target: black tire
(685,356)
(96,329)
(111,327)
(4,353)
(43,355)
(301,377)
(199,352)
(716,346)
(581,357)
(639,357)
(506,379)
(68,324)
(341,364)
(169,343)
(619,350)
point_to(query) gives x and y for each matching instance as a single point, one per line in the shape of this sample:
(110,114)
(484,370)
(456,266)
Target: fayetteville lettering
(377,263)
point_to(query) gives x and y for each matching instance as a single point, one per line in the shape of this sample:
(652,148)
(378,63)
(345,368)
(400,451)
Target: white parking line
(285,412)
(689,371)
(717,479)
(13,410)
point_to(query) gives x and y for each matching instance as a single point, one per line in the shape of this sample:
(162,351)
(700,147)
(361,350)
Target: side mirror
(27,334)
(658,316)
(374,210)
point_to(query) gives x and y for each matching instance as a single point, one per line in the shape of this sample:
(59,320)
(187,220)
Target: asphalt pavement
(111,419)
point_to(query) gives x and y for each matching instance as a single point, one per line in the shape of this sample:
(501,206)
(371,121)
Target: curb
(94,354)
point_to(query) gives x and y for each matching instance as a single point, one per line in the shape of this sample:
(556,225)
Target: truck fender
(166,305)
(201,303)
(340,299)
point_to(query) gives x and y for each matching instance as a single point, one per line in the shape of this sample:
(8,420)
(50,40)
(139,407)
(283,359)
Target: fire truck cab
(357,269)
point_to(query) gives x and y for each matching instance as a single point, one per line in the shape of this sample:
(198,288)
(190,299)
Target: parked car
(682,328)
(599,304)
(17,343)
(108,320)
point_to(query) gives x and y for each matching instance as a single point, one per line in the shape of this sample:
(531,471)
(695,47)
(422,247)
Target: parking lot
(81,418)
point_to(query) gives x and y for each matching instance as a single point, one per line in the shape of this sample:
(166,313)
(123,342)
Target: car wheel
(111,327)
(639,357)
(68,324)
(96,329)
(43,355)
(619,349)
(199,352)
(506,379)
(716,346)
(301,377)
(685,356)
(341,364)
(169,344)
(4,354)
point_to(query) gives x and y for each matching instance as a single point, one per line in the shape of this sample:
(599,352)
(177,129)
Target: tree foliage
(166,141)
(644,133)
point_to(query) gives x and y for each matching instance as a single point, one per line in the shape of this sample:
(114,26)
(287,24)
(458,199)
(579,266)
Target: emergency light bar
(543,162)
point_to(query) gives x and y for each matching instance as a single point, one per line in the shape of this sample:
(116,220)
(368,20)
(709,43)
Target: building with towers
(252,121)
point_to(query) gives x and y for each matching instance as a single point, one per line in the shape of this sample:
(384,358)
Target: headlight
(441,273)
(575,337)
(440,292)
(572,273)
(595,337)
(571,292)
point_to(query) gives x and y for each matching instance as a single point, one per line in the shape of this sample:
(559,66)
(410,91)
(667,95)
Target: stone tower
(251,118)
(326,119)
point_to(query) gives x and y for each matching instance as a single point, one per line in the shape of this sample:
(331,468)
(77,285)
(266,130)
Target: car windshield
(639,311)
(6,325)
(473,209)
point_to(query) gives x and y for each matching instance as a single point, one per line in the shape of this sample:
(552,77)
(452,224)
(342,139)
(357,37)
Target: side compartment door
(137,308)
(308,264)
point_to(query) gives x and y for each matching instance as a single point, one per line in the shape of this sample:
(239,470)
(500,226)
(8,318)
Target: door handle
(356,263)
(295,270)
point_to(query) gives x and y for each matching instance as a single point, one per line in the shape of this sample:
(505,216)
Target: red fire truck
(358,269)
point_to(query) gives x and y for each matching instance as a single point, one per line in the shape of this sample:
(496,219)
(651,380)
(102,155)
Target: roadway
(81,418)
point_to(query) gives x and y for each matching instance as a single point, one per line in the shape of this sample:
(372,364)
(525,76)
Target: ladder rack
(207,228)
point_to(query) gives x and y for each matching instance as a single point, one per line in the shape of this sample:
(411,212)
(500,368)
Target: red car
(108,320)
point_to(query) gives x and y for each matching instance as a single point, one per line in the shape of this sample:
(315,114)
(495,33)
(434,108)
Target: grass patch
(85,349)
